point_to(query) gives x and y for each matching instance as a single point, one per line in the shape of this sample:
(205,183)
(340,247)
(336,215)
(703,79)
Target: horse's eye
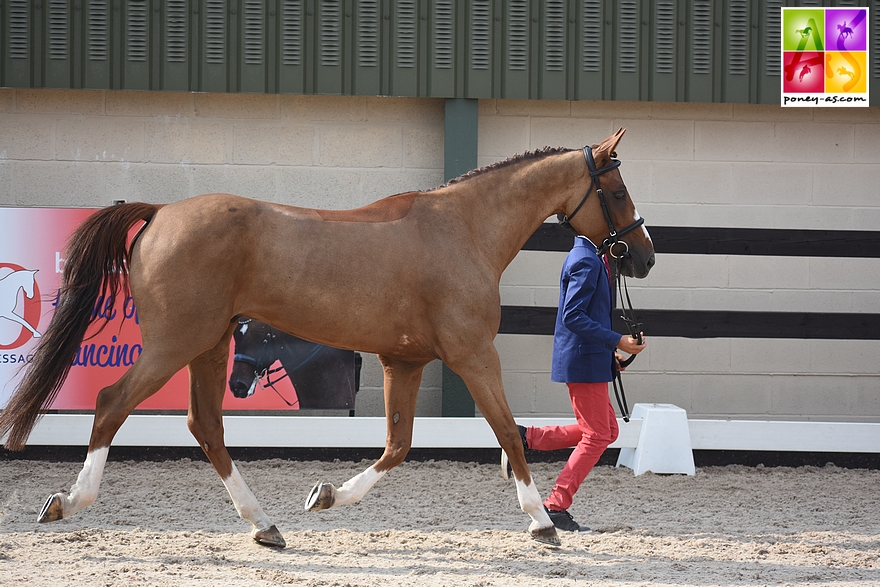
(620,194)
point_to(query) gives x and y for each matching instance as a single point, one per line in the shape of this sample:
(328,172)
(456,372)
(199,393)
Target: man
(583,351)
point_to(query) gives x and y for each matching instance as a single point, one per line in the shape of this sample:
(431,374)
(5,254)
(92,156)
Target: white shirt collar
(589,241)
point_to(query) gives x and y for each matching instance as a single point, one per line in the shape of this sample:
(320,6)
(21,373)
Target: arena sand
(444,524)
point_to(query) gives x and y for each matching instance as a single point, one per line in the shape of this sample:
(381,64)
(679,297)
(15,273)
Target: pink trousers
(596,428)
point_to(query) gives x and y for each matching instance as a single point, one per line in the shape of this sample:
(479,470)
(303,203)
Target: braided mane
(527,156)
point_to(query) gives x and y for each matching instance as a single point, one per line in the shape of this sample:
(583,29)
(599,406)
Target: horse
(806,70)
(842,71)
(845,31)
(323,377)
(10,285)
(412,278)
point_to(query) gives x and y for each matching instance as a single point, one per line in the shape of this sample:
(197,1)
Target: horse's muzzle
(243,389)
(635,265)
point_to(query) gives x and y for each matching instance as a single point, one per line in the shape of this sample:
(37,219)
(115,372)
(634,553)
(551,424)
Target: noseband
(259,361)
(614,238)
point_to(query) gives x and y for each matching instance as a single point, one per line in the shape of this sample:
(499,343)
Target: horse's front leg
(401,391)
(481,372)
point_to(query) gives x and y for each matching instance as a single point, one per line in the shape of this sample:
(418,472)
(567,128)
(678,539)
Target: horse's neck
(508,204)
(14,281)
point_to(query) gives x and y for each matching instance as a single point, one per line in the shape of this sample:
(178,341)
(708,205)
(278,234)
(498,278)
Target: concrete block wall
(718,165)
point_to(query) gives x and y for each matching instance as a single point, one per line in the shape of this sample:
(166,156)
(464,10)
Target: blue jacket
(583,342)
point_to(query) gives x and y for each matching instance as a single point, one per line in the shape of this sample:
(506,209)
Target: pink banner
(32,242)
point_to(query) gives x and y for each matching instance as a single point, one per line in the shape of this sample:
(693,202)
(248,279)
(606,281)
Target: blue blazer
(583,342)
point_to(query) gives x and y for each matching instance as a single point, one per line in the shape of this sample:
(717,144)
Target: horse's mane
(527,156)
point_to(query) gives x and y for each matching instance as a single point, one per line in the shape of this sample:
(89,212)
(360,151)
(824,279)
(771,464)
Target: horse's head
(609,216)
(253,356)
(28,282)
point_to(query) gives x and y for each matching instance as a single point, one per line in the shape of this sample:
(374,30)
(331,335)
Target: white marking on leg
(244,500)
(358,486)
(85,490)
(530,502)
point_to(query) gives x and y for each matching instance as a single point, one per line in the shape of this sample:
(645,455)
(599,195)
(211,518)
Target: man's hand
(630,345)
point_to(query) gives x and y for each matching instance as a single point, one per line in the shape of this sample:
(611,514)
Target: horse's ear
(609,145)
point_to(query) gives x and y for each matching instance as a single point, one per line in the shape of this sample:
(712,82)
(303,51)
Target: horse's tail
(96,265)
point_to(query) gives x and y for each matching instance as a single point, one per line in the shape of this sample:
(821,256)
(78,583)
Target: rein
(614,238)
(635,330)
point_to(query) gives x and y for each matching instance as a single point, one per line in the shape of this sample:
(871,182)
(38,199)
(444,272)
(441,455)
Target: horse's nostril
(238,389)
(650,262)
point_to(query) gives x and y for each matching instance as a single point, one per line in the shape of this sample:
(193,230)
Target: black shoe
(563,521)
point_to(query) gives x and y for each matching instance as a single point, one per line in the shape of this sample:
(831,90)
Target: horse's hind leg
(205,421)
(401,391)
(113,405)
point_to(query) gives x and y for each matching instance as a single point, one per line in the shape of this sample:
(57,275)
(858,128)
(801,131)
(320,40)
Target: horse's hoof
(321,497)
(269,537)
(546,536)
(52,511)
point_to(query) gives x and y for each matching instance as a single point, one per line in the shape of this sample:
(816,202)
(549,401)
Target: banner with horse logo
(268,369)
(825,56)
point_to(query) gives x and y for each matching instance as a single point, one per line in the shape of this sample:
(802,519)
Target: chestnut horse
(412,278)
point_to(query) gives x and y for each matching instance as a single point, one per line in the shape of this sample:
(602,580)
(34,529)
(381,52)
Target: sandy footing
(443,524)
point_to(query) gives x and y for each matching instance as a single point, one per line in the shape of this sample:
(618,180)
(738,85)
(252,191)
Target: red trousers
(596,428)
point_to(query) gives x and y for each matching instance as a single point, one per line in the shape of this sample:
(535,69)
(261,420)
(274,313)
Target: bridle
(614,235)
(256,362)
(614,239)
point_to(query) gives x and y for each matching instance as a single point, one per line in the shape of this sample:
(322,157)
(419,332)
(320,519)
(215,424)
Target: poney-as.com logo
(20,306)
(825,57)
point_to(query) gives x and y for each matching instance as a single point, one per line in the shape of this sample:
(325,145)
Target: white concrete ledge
(344,432)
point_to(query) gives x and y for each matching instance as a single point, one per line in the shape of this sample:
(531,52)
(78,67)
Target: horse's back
(312,273)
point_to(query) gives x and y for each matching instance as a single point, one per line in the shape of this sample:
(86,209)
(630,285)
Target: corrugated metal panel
(479,56)
(291,43)
(406,48)
(664,50)
(367,78)
(593,56)
(443,48)
(329,57)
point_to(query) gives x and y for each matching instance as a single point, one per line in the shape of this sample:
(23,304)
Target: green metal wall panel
(18,49)
(555,43)
(369,31)
(592,58)
(661,50)
(101,36)
(443,52)
(664,56)
(329,46)
(57,31)
(628,37)
(408,46)
(479,56)
(136,31)
(291,36)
